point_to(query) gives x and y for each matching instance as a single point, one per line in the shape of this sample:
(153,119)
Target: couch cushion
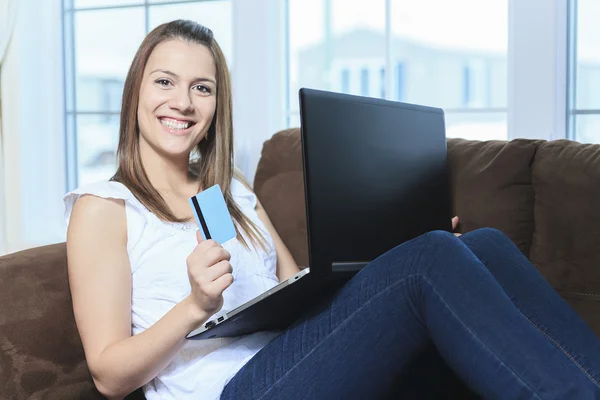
(41,353)
(566,242)
(279,184)
(492,187)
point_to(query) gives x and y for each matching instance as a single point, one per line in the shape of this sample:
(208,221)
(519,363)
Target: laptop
(375,176)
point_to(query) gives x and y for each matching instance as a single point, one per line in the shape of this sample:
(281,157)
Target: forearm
(128,364)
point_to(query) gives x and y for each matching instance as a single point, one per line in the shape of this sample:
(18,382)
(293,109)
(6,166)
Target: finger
(454,223)
(207,245)
(219,269)
(201,248)
(222,283)
(217,254)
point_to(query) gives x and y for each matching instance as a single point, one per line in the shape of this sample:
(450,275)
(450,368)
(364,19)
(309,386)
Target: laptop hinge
(348,266)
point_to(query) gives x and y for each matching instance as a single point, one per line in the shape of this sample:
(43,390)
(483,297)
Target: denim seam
(479,340)
(583,294)
(563,350)
(328,336)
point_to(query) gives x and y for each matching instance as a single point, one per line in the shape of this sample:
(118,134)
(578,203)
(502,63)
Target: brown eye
(203,89)
(163,82)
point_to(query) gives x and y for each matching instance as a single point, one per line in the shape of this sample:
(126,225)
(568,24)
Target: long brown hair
(215,162)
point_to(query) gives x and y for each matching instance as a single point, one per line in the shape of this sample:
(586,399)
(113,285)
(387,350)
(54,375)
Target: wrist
(195,315)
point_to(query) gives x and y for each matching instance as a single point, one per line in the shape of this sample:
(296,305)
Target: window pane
(450,54)
(343,49)
(473,126)
(104,3)
(103,54)
(477,126)
(97,140)
(294,120)
(588,128)
(215,15)
(588,54)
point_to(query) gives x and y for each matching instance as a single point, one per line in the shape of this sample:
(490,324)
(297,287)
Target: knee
(440,237)
(426,245)
(486,235)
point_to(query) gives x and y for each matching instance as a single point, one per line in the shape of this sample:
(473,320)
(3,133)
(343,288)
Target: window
(101,38)
(466,100)
(435,58)
(382,82)
(400,81)
(333,35)
(584,71)
(364,81)
(345,86)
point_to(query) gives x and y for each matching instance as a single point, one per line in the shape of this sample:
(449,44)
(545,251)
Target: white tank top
(157,253)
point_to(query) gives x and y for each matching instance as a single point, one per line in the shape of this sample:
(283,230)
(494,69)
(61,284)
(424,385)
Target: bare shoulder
(97,225)
(90,207)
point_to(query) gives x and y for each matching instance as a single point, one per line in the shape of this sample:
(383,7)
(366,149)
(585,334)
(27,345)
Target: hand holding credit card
(212,215)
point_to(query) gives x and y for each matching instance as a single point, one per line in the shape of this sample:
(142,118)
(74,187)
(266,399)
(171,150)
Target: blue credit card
(212,215)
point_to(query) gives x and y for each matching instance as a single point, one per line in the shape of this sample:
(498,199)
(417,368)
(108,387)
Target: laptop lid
(375,176)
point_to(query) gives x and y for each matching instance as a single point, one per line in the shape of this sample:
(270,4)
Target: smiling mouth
(175,124)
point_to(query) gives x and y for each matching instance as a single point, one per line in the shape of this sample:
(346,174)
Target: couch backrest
(566,239)
(491,186)
(544,195)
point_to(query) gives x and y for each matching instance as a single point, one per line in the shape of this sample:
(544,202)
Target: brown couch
(544,195)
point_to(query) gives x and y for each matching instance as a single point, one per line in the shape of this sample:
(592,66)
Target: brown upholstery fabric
(491,186)
(283,196)
(41,353)
(566,241)
(279,184)
(281,153)
(42,356)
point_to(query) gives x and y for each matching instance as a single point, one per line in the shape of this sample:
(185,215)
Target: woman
(142,278)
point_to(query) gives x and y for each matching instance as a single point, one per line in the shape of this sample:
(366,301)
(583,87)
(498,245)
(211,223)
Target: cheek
(210,108)
(151,99)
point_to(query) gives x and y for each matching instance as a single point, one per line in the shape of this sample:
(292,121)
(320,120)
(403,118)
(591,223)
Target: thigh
(428,377)
(536,299)
(354,345)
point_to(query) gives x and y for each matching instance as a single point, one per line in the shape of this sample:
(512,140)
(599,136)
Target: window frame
(71,113)
(536,102)
(572,111)
(390,69)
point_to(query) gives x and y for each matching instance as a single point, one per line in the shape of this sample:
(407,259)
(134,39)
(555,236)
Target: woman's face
(177,98)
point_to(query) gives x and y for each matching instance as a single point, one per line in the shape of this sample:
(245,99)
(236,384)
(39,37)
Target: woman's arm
(100,281)
(286,266)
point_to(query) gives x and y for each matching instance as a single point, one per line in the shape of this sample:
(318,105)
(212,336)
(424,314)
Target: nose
(181,100)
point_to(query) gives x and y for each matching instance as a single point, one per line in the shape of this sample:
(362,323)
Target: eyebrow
(174,75)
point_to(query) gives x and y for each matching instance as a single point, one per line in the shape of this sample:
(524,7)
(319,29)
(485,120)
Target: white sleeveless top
(157,253)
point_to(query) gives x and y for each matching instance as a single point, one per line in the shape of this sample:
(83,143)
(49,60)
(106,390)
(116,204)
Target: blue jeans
(486,310)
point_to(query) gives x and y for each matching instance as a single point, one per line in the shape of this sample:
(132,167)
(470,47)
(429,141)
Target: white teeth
(175,125)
